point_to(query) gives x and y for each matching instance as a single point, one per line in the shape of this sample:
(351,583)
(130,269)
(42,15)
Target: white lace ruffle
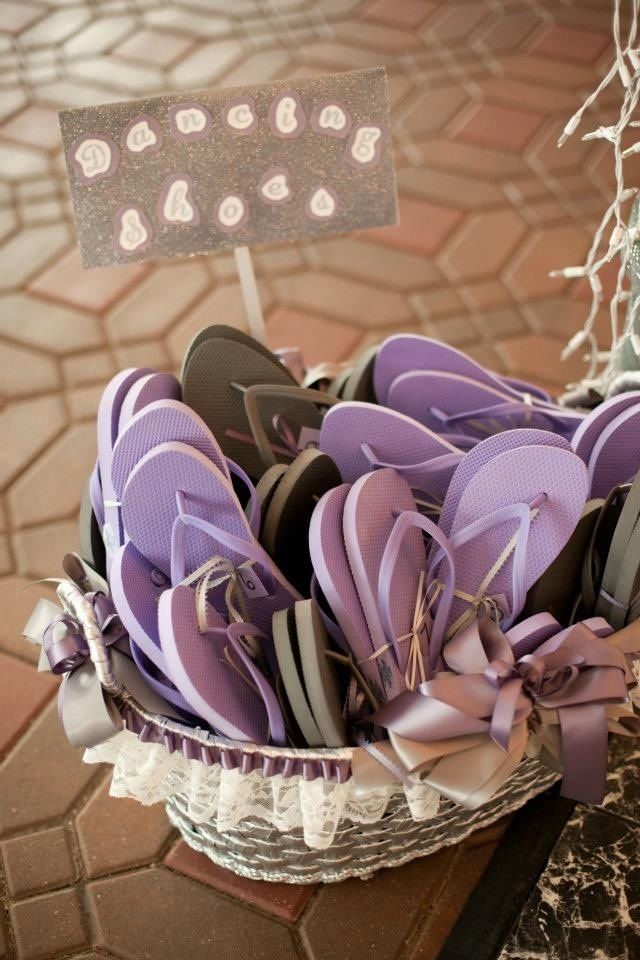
(149,774)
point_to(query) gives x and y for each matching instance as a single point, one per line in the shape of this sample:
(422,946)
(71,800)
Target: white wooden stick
(250,295)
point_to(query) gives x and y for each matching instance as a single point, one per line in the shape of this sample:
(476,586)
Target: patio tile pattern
(479,92)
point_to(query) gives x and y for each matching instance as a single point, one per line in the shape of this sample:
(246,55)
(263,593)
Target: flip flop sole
(285,642)
(320,678)
(587,434)
(222,331)
(155,386)
(615,457)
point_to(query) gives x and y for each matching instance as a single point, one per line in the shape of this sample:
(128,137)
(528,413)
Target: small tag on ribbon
(252,585)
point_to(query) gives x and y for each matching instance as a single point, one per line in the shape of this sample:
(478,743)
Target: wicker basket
(258,850)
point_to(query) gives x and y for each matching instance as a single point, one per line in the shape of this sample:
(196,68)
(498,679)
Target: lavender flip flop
(136,587)
(588,432)
(193,526)
(448,402)
(370,512)
(333,573)
(360,437)
(155,386)
(513,518)
(615,457)
(211,668)
(485,451)
(404,352)
(108,421)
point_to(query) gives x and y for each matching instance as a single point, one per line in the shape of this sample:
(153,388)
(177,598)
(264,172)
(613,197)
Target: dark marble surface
(586,904)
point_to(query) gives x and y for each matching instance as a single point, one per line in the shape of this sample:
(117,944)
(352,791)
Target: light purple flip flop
(485,451)
(450,402)
(513,518)
(360,437)
(593,425)
(136,588)
(370,513)
(333,574)
(164,421)
(181,512)
(108,420)
(404,352)
(615,457)
(155,386)
(212,670)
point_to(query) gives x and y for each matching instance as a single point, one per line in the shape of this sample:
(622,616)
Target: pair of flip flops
(249,399)
(308,676)
(450,393)
(607,441)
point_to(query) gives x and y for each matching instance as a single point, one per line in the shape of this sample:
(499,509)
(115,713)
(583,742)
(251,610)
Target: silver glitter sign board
(188,173)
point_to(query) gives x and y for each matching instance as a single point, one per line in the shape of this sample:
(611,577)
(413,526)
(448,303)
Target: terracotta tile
(37,323)
(56,27)
(42,776)
(29,251)
(372,918)
(566,43)
(24,372)
(83,402)
(498,323)
(16,603)
(423,227)
(94,290)
(84,368)
(49,925)
(538,97)
(370,262)
(115,832)
(317,337)
(571,157)
(508,31)
(528,273)
(437,303)
(154,46)
(432,110)
(349,300)
(375,36)
(406,14)
(440,186)
(484,293)
(465,157)
(533,353)
(99,36)
(258,67)
(35,126)
(560,72)
(207,62)
(37,862)
(6,556)
(489,125)
(148,353)
(482,244)
(206,924)
(284,900)
(458,331)
(15,17)
(158,302)
(23,692)
(52,487)
(27,427)
(452,24)
(39,550)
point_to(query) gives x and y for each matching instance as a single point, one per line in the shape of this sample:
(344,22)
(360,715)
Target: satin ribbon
(466,729)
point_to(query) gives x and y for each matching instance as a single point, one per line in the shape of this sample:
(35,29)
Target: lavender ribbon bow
(67,649)
(467,727)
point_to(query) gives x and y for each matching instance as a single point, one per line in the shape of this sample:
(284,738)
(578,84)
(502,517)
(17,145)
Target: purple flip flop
(360,437)
(216,676)
(586,436)
(370,513)
(194,520)
(155,386)
(513,518)
(447,402)
(404,352)
(108,421)
(333,573)
(615,457)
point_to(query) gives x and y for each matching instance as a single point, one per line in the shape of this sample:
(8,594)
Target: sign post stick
(250,294)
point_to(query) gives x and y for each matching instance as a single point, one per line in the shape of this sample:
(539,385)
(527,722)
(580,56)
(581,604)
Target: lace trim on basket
(148,773)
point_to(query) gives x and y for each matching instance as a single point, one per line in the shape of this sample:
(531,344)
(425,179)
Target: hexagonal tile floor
(479,91)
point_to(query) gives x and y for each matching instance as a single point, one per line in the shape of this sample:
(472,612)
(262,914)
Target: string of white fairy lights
(614,236)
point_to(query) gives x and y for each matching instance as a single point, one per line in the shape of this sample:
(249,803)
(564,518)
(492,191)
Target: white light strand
(613,238)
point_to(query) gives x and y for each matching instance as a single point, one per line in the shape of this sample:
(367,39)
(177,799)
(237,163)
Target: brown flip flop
(359,384)
(320,677)
(222,331)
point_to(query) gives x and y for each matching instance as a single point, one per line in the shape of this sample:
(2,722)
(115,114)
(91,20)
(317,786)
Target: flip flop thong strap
(408,520)
(254,511)
(427,467)
(253,394)
(498,411)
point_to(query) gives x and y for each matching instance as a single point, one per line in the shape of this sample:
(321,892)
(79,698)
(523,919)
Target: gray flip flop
(286,648)
(359,384)
(555,591)
(92,549)
(338,383)
(619,580)
(222,331)
(285,530)
(266,488)
(320,678)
